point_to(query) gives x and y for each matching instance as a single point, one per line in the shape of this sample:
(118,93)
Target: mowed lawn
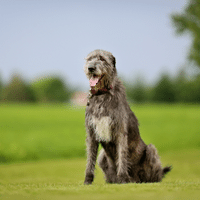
(63,179)
(42,153)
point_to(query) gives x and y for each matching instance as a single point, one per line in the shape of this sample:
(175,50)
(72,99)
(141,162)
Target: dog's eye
(101,58)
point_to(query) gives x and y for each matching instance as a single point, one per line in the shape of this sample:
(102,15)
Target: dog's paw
(89,179)
(87,182)
(123,178)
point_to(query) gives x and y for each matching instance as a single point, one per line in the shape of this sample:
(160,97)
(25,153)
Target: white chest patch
(103,128)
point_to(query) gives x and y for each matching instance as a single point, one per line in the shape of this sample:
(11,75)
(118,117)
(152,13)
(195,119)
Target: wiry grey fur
(109,121)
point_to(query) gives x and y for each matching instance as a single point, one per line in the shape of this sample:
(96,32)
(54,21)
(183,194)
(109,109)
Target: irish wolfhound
(109,120)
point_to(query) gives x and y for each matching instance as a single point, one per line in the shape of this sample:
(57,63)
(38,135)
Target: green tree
(136,91)
(51,89)
(187,89)
(164,90)
(189,22)
(181,86)
(18,91)
(193,88)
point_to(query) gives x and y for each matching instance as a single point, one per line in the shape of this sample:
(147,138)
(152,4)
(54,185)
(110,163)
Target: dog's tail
(166,170)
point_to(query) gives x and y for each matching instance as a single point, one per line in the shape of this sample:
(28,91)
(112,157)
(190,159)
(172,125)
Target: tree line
(168,89)
(47,89)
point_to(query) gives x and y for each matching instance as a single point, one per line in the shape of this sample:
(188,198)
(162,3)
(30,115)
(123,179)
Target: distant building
(79,98)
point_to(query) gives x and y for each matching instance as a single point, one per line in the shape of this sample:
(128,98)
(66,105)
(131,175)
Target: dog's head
(100,69)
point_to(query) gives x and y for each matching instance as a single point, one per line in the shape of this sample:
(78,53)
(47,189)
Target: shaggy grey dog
(109,121)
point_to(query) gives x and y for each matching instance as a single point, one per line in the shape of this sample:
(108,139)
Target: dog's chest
(102,128)
(99,114)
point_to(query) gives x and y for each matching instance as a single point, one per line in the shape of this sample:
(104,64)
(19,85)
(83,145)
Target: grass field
(42,151)
(33,132)
(63,179)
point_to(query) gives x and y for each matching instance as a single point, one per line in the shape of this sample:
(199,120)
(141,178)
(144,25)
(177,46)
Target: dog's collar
(102,90)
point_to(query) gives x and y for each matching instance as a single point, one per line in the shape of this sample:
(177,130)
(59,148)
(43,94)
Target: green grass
(173,126)
(63,179)
(38,133)
(30,132)
(33,132)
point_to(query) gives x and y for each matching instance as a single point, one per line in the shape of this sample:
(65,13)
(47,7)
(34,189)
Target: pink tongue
(93,81)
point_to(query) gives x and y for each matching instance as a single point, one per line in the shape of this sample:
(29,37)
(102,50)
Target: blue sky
(52,37)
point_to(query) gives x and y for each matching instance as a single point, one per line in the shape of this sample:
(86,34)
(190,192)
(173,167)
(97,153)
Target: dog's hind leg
(108,167)
(153,171)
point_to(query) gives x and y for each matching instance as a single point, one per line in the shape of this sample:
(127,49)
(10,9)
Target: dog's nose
(91,68)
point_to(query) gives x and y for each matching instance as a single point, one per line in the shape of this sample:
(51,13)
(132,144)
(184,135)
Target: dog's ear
(113,60)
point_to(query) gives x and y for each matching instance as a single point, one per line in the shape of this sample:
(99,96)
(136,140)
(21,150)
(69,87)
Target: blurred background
(42,49)
(43,45)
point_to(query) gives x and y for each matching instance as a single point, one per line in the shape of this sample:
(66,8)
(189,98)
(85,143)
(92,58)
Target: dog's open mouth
(94,80)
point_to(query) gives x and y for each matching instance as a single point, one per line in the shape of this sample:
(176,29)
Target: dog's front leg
(122,159)
(92,149)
